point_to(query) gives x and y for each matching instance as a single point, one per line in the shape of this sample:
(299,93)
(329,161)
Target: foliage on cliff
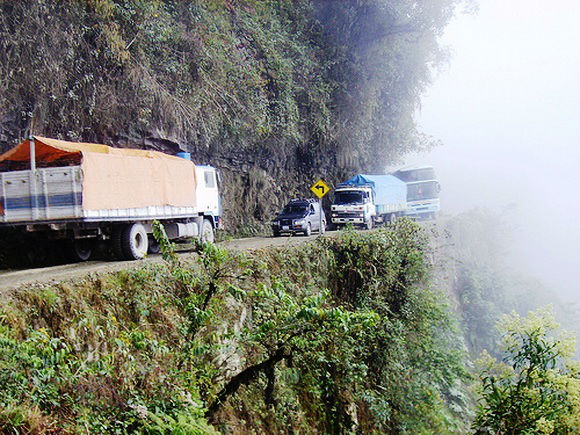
(337,335)
(536,389)
(488,286)
(272,92)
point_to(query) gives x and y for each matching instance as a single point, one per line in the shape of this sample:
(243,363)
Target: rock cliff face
(275,94)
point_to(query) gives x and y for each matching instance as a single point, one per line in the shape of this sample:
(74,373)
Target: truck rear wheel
(207,231)
(130,242)
(79,250)
(154,246)
(116,245)
(134,242)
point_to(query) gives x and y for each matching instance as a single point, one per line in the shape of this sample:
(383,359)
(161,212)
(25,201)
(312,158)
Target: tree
(536,389)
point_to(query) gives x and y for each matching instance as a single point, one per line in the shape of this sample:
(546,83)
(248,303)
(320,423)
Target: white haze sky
(507,109)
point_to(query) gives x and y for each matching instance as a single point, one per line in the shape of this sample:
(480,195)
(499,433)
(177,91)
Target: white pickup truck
(80,196)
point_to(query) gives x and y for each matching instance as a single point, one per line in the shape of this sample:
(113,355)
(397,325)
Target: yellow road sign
(320,188)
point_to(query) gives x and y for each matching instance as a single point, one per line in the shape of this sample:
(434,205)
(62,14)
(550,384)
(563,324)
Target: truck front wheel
(134,242)
(369,224)
(207,231)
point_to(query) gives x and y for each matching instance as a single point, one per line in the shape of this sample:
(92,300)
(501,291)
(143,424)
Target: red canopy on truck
(116,178)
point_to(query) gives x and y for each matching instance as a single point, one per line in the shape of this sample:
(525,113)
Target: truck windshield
(419,174)
(348,198)
(294,209)
(419,191)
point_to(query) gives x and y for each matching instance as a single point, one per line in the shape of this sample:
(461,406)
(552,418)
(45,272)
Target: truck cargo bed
(45,194)
(55,194)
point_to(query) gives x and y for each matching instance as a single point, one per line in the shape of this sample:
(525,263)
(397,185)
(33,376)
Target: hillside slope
(342,334)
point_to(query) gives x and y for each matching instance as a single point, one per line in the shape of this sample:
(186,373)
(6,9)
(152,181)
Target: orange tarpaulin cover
(116,178)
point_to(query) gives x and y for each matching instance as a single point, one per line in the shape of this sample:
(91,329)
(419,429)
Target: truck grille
(348,215)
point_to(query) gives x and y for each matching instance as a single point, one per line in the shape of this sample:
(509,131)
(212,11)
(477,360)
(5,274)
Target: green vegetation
(342,334)
(537,389)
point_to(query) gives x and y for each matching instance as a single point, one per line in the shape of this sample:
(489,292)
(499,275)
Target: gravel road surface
(15,278)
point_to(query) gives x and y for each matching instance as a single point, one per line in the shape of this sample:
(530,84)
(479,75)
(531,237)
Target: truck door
(207,190)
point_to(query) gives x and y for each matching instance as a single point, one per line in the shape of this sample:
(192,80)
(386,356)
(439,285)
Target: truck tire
(369,224)
(153,247)
(207,234)
(116,244)
(33,254)
(308,230)
(134,242)
(79,250)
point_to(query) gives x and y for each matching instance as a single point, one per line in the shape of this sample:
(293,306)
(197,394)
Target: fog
(507,110)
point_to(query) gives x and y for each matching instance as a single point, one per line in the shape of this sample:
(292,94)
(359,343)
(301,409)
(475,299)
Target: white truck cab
(206,191)
(354,205)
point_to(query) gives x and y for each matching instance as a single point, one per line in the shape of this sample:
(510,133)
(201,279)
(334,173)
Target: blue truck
(365,200)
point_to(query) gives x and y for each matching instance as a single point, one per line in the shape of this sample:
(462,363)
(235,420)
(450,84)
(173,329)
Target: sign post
(320,189)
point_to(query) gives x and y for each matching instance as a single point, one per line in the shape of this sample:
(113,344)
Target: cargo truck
(422,191)
(78,196)
(366,200)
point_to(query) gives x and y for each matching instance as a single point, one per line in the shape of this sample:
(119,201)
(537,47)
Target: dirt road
(16,278)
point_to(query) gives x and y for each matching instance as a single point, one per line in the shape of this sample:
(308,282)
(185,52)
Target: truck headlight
(299,222)
(275,223)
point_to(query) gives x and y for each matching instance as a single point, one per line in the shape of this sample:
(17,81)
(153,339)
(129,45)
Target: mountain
(274,93)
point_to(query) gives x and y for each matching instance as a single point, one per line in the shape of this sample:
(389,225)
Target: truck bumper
(340,220)
(423,213)
(425,209)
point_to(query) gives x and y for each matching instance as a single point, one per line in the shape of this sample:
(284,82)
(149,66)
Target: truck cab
(354,205)
(423,199)
(207,193)
(422,191)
